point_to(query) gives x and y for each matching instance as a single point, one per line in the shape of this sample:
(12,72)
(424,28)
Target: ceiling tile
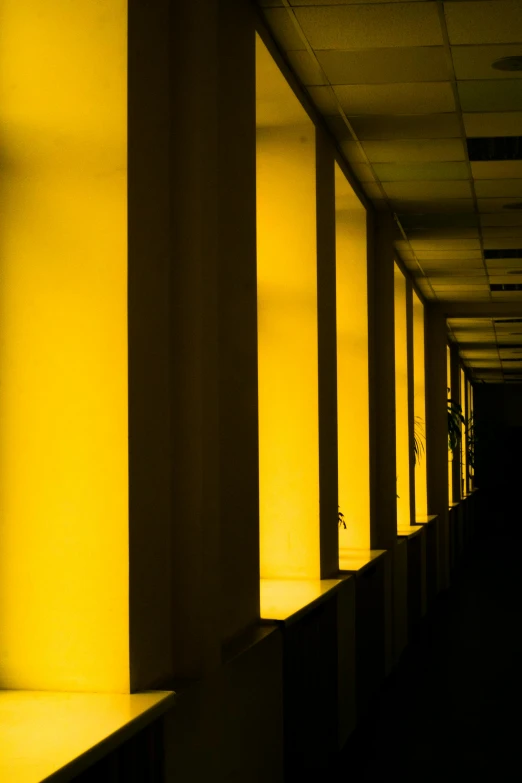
(448,276)
(427,189)
(475,62)
(461,291)
(442,235)
(372,190)
(339,128)
(498,243)
(469,323)
(487,338)
(508,334)
(414,150)
(439,205)
(450,265)
(341,2)
(353,152)
(503,264)
(453,285)
(445,244)
(509,218)
(495,204)
(505,279)
(456,255)
(498,188)
(499,272)
(497,169)
(475,331)
(415,126)
(490,95)
(283,29)
(306,68)
(378,66)
(445,220)
(493,124)
(371,26)
(493,234)
(324,99)
(407,98)
(485,363)
(458,283)
(484,21)
(487,353)
(393,172)
(507,296)
(363,172)
(473,295)
(407,255)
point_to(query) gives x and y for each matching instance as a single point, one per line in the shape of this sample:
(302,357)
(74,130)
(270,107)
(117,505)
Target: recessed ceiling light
(518,205)
(514,271)
(508,63)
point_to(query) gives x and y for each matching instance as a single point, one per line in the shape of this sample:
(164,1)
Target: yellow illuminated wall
(63,350)
(463,429)
(287,329)
(352,365)
(450,453)
(419,406)
(401,401)
(472,420)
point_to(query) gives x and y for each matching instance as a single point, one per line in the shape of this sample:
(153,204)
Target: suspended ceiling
(401,86)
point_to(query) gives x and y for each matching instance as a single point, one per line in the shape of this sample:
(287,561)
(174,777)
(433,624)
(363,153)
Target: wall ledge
(54,736)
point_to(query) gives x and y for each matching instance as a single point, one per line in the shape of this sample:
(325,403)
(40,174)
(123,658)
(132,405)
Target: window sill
(426,520)
(357,560)
(409,532)
(55,736)
(285,600)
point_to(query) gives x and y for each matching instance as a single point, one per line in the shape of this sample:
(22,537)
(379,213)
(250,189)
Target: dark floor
(453,708)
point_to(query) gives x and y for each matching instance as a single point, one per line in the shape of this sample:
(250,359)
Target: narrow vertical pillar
(193,358)
(456,396)
(213,427)
(327,355)
(238,466)
(437,431)
(381,335)
(419,405)
(411,393)
(402,420)
(150,379)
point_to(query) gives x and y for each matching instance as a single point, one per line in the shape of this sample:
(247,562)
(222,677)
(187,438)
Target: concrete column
(237,466)
(437,432)
(153,383)
(191,285)
(193,335)
(411,392)
(327,354)
(382,380)
(455,394)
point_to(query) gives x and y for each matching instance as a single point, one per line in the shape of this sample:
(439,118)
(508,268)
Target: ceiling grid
(403,84)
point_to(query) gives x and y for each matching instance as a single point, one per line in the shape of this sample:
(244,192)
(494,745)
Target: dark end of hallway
(449,711)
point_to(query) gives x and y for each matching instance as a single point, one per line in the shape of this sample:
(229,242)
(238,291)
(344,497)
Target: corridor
(451,709)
